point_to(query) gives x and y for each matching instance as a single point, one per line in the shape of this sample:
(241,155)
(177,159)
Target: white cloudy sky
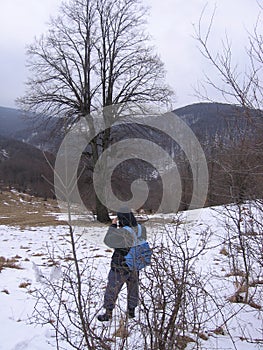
(170,23)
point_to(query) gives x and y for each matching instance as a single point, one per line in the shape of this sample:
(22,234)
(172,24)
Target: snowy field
(28,254)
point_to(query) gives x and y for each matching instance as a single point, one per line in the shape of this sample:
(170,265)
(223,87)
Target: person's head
(126,218)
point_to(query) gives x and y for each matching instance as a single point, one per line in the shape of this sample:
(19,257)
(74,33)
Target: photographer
(121,240)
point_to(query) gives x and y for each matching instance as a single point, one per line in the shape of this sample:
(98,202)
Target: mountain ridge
(205,119)
(217,126)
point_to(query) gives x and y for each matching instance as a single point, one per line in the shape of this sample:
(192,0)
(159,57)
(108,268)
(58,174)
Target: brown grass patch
(5,291)
(37,254)
(223,251)
(18,209)
(9,263)
(203,336)
(219,331)
(68,258)
(182,341)
(24,284)
(236,273)
(25,211)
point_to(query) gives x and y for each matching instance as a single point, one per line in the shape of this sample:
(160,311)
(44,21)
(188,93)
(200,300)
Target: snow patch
(3,154)
(33,247)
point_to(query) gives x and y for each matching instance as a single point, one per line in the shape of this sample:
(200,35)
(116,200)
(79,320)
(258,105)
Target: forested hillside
(25,168)
(229,135)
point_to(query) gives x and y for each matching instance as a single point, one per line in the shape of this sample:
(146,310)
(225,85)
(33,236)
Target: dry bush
(173,295)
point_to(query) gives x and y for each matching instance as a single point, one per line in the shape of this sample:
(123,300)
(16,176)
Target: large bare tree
(96,53)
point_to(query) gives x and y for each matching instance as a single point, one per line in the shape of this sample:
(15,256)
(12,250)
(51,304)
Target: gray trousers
(116,279)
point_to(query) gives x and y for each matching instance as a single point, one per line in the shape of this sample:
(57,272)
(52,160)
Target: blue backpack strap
(139,230)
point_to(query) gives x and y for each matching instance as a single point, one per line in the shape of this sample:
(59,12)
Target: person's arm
(118,237)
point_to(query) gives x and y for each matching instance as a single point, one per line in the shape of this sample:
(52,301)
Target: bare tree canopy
(238,164)
(96,53)
(237,84)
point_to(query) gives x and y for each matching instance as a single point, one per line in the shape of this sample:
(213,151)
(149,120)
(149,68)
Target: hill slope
(24,167)
(227,121)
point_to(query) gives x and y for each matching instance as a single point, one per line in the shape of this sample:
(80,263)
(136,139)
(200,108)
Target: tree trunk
(101,209)
(102,212)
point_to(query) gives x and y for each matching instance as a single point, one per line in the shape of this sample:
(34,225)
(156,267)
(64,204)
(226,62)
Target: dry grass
(18,209)
(11,263)
(24,284)
(223,251)
(6,291)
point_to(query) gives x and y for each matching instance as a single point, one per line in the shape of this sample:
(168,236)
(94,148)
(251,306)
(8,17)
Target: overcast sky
(170,24)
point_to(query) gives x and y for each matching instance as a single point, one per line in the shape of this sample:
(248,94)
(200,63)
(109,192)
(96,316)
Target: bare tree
(237,85)
(95,54)
(239,162)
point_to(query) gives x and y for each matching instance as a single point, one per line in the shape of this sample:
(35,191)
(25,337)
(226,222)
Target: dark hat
(126,218)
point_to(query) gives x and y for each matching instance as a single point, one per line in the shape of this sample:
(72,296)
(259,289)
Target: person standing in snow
(121,240)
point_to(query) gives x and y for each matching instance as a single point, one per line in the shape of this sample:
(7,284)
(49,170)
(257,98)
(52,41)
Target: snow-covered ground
(33,249)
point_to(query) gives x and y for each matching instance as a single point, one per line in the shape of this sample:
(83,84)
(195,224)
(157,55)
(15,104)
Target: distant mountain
(23,165)
(205,119)
(224,120)
(12,122)
(18,126)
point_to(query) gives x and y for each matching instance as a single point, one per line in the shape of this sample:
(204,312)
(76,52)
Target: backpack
(139,255)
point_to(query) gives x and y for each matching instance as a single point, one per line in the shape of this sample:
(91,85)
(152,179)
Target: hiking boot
(131,312)
(106,316)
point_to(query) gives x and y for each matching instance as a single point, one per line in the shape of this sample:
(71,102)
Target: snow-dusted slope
(39,253)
